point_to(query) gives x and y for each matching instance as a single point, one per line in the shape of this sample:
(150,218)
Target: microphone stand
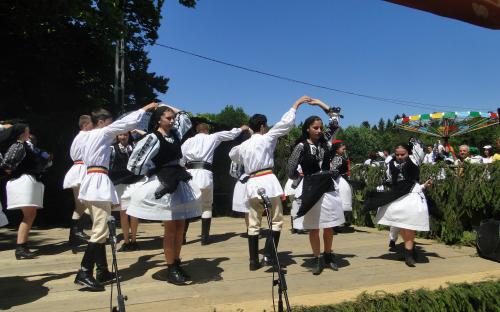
(280,281)
(119,297)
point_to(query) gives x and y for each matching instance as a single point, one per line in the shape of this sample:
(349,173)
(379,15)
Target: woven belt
(261,173)
(97,169)
(78,162)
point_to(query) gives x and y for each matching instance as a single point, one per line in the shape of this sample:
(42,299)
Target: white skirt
(407,212)
(74,176)
(120,189)
(269,182)
(24,191)
(125,193)
(240,204)
(326,213)
(202,178)
(97,187)
(289,190)
(345,194)
(3,218)
(298,223)
(182,204)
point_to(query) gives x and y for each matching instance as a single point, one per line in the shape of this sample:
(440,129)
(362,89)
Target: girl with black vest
(168,194)
(124,182)
(317,195)
(24,165)
(404,205)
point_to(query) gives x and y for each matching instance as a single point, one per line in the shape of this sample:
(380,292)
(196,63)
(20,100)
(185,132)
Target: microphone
(262,193)
(112,226)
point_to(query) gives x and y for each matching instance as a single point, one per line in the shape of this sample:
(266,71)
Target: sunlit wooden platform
(220,272)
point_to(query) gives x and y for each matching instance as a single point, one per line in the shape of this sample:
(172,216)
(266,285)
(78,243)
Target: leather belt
(97,169)
(199,165)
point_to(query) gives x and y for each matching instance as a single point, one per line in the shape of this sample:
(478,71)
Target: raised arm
(13,157)
(230,135)
(127,123)
(287,121)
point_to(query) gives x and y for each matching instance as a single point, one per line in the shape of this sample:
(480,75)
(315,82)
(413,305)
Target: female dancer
(24,167)
(123,180)
(341,162)
(312,153)
(404,206)
(168,195)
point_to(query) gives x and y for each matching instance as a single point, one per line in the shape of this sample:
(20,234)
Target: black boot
(80,232)
(177,262)
(205,231)
(186,226)
(269,257)
(84,276)
(76,237)
(392,245)
(102,274)
(253,250)
(409,260)
(415,254)
(330,261)
(174,276)
(22,252)
(319,264)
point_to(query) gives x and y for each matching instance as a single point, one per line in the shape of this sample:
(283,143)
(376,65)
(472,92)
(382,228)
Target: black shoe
(104,277)
(330,261)
(392,245)
(134,246)
(409,260)
(301,231)
(319,264)
(205,231)
(22,252)
(269,256)
(187,277)
(253,250)
(86,279)
(174,276)
(125,247)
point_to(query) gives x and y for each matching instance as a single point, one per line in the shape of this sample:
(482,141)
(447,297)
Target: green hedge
(465,196)
(482,296)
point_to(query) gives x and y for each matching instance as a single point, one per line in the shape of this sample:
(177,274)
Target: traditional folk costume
(240,204)
(98,194)
(72,180)
(198,153)
(169,193)
(256,154)
(3,218)
(24,188)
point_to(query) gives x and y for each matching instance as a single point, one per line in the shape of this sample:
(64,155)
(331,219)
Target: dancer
(24,167)
(73,179)
(239,203)
(3,136)
(404,206)
(320,203)
(98,193)
(198,153)
(168,195)
(345,190)
(256,155)
(123,181)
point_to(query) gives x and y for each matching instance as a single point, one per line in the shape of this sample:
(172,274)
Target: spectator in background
(429,156)
(463,155)
(496,157)
(488,154)
(371,161)
(475,158)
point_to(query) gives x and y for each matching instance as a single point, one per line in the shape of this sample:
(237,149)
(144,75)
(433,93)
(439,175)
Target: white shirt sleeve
(141,159)
(182,123)
(235,155)
(283,126)
(222,136)
(127,123)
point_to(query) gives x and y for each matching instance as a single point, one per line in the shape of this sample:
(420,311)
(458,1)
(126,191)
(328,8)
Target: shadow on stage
(201,270)
(397,254)
(340,260)
(215,238)
(18,290)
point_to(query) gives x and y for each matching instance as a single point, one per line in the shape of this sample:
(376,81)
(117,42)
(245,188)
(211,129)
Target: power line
(372,97)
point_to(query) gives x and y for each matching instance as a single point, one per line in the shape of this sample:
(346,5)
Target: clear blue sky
(365,46)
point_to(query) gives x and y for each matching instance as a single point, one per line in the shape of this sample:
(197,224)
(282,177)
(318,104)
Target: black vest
(407,172)
(310,162)
(169,151)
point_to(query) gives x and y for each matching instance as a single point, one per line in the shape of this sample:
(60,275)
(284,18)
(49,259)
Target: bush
(464,197)
(482,296)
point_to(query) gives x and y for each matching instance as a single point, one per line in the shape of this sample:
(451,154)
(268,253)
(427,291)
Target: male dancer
(198,153)
(98,193)
(74,178)
(256,154)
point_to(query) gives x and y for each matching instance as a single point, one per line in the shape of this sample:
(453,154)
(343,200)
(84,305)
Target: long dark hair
(153,121)
(13,134)
(305,135)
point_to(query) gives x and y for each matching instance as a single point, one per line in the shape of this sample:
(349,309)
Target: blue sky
(365,46)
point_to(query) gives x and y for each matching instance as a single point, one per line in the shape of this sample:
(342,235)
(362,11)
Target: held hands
(150,106)
(318,102)
(244,128)
(427,183)
(302,100)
